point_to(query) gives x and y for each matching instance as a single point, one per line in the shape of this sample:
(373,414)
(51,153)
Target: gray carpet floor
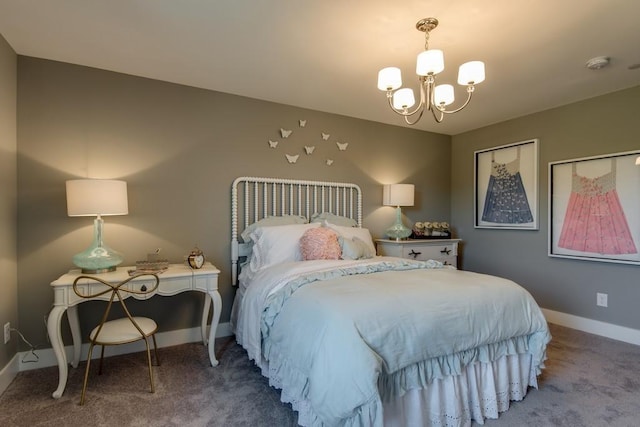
(589,381)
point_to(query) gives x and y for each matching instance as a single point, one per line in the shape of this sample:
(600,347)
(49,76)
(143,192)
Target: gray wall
(602,125)
(8,205)
(179,148)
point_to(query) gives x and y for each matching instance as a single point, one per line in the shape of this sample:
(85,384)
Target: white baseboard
(46,357)
(608,330)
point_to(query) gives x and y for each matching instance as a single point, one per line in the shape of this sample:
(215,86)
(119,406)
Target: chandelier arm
(470,90)
(406,118)
(407,113)
(436,118)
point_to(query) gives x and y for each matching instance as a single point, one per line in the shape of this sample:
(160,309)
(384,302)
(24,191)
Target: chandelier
(433,98)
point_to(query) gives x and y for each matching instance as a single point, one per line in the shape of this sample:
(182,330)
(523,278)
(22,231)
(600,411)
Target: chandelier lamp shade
(435,98)
(97,197)
(398,195)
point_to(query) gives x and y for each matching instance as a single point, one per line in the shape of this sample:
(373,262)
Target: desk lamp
(398,195)
(97,197)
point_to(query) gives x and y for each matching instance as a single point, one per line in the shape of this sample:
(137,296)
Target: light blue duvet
(346,339)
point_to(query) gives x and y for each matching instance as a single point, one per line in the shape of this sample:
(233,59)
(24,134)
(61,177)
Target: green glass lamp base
(398,231)
(98,258)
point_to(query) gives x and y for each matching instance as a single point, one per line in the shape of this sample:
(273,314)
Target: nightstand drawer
(425,252)
(444,250)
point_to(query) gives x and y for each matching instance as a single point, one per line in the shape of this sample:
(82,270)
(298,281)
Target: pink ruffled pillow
(320,243)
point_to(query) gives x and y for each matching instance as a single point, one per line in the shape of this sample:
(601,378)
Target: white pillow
(351,232)
(334,219)
(277,244)
(354,248)
(272,221)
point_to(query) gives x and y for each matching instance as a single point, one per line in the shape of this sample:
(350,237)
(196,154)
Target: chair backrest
(117,290)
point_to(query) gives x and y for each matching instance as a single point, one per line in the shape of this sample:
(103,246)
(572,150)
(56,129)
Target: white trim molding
(596,327)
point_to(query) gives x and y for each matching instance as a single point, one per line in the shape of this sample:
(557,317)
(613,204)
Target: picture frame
(594,208)
(506,186)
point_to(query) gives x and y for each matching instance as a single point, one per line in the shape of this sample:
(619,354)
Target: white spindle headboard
(263,197)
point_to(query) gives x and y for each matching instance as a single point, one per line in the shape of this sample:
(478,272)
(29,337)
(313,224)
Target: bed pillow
(320,243)
(277,244)
(272,221)
(334,219)
(350,232)
(354,248)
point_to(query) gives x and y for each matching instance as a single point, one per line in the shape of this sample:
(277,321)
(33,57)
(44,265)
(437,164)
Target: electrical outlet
(7,332)
(601,300)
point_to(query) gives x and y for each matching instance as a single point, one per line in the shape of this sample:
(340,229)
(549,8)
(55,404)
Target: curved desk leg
(205,318)
(53,328)
(74,324)
(215,319)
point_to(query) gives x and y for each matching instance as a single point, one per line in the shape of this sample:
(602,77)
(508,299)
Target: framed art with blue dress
(506,186)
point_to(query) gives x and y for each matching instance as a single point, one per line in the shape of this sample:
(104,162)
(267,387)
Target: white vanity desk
(178,278)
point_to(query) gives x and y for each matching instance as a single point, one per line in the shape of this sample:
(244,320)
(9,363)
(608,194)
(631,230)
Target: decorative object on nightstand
(196,258)
(431,230)
(398,195)
(97,197)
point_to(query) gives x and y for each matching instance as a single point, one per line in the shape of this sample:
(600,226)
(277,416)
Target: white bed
(372,341)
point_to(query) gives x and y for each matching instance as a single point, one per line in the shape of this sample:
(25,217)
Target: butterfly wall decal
(303,123)
(285,133)
(273,144)
(292,159)
(342,146)
(309,150)
(325,136)
(329,162)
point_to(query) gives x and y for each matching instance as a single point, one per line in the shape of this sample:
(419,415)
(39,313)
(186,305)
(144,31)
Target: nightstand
(443,250)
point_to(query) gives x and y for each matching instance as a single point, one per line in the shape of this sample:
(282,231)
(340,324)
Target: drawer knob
(414,254)
(445,251)
(143,288)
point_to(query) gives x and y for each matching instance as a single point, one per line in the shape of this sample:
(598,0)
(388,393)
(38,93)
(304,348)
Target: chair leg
(155,349)
(146,342)
(101,358)
(86,374)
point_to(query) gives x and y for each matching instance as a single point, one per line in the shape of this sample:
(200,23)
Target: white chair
(118,331)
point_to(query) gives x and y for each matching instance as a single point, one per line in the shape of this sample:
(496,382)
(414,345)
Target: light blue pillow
(354,248)
(334,219)
(271,221)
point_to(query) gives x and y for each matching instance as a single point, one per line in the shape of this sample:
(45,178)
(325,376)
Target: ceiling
(325,55)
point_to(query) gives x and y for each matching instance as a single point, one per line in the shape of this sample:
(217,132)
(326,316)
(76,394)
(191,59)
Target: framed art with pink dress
(594,208)
(506,186)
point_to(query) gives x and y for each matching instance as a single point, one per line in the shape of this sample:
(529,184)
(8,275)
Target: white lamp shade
(93,197)
(389,78)
(430,62)
(398,194)
(471,73)
(443,95)
(638,161)
(403,98)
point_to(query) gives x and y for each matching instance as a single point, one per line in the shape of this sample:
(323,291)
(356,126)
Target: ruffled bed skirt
(482,391)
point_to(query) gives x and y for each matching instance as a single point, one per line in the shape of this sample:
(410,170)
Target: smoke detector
(598,62)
